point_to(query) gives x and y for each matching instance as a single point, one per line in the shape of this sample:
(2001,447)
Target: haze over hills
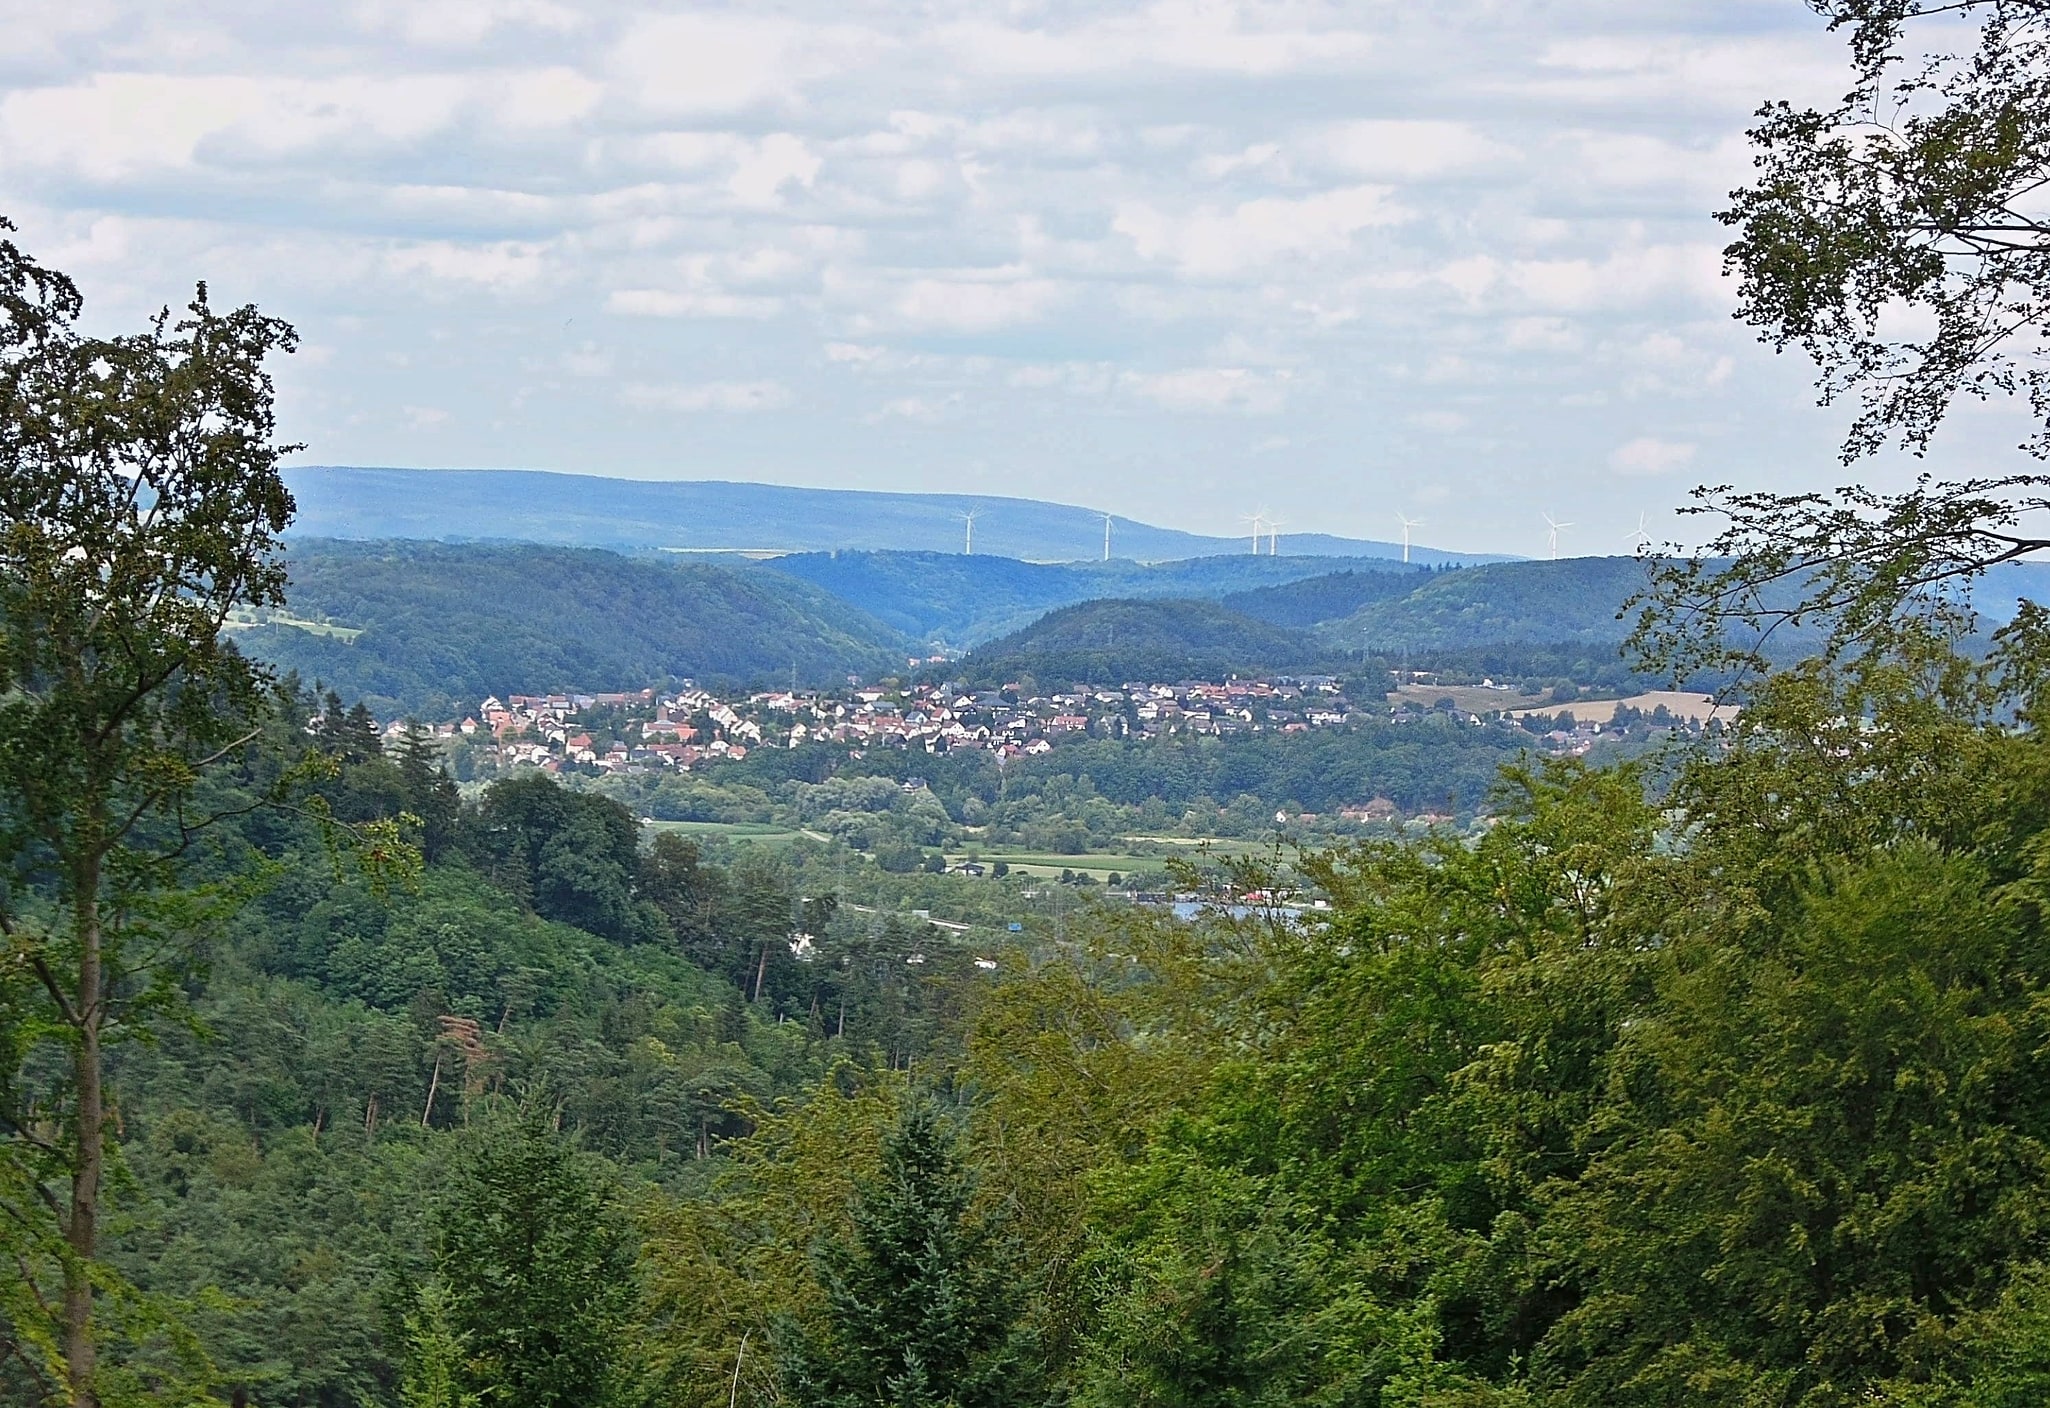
(592,511)
(965,601)
(429,628)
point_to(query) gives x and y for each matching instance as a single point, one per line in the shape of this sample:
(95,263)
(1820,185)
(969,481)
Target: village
(689,727)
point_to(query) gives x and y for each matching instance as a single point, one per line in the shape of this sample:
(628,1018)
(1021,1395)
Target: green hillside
(1112,641)
(442,625)
(1314,600)
(965,601)
(1508,602)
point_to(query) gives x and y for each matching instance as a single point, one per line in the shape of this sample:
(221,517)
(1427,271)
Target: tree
(532,1279)
(140,504)
(1919,192)
(921,1306)
(430,792)
(572,856)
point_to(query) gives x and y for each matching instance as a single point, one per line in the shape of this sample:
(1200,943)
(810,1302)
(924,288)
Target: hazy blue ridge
(443,625)
(967,601)
(591,511)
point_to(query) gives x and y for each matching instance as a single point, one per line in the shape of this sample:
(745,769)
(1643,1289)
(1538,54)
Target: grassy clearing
(1467,698)
(241,621)
(758,831)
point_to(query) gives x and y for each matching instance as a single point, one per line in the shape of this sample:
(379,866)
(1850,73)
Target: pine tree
(430,792)
(921,1305)
(537,1275)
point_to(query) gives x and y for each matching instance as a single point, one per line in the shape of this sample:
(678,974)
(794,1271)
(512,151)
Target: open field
(758,831)
(1467,698)
(242,621)
(1698,707)
(1047,863)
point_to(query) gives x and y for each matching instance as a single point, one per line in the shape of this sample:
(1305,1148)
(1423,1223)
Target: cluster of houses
(689,727)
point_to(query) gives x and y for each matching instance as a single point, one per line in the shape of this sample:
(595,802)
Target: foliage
(532,1280)
(920,1302)
(140,504)
(1916,194)
(1916,191)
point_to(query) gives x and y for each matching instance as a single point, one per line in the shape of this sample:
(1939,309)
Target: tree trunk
(761,969)
(81,1230)
(433,1088)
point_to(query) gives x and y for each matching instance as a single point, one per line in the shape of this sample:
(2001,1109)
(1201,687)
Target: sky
(1185,261)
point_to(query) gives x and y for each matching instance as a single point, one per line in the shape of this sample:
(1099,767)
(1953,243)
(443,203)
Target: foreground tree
(920,1308)
(140,504)
(1917,202)
(532,1282)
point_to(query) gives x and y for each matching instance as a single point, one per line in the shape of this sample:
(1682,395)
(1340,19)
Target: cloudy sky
(1180,260)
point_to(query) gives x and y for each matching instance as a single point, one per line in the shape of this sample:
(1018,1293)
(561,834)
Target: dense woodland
(1723,1079)
(444,625)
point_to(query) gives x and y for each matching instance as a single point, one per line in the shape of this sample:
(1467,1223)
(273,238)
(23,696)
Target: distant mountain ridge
(691,515)
(966,601)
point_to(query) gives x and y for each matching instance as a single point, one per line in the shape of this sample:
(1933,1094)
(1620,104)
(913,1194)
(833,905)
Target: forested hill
(965,601)
(1314,600)
(1111,641)
(431,628)
(1576,599)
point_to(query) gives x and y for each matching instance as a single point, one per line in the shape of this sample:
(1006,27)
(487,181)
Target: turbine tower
(1552,536)
(1259,521)
(968,544)
(1407,524)
(1106,537)
(1274,527)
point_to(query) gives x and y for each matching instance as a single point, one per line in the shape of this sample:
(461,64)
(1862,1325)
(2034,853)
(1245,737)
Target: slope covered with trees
(443,625)
(1100,642)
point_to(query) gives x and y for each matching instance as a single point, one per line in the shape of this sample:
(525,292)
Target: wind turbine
(1106,537)
(1259,521)
(968,547)
(1407,524)
(1640,539)
(1274,527)
(1553,536)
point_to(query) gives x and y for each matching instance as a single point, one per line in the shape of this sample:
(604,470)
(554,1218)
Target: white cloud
(926,410)
(734,396)
(1647,456)
(689,303)
(1239,389)
(1086,222)
(1204,36)
(727,62)
(776,161)
(1208,241)
(1398,150)
(506,265)
(970,305)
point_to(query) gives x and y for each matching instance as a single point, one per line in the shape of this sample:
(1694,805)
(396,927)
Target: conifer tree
(533,1278)
(921,1306)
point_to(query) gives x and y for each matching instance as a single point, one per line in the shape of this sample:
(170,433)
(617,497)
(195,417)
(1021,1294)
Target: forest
(1716,1076)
